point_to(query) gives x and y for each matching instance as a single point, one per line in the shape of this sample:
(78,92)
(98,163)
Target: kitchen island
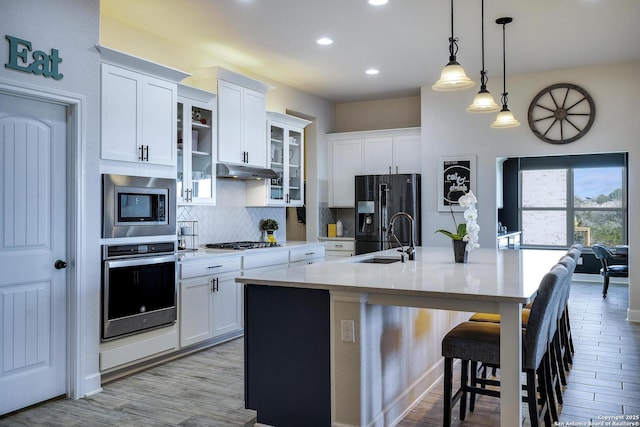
(341,342)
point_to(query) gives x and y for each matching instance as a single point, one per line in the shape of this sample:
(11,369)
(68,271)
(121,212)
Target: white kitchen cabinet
(227,304)
(407,153)
(376,152)
(210,300)
(242,135)
(345,162)
(339,248)
(196,310)
(265,259)
(395,152)
(307,254)
(197,136)
(138,110)
(286,158)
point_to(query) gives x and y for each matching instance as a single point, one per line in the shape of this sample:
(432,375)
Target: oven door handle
(144,260)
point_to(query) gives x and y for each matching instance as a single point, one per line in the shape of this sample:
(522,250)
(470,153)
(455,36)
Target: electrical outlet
(348,330)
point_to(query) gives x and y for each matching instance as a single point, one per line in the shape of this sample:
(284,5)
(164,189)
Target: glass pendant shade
(483,103)
(505,120)
(505,117)
(452,78)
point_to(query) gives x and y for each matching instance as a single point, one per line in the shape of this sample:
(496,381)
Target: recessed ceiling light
(378,2)
(324,41)
(372,71)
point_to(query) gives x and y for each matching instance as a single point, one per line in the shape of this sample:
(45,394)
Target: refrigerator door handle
(382,209)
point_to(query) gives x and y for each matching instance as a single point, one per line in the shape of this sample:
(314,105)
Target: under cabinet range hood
(225,170)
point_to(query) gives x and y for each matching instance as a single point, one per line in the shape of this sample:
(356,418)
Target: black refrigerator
(378,197)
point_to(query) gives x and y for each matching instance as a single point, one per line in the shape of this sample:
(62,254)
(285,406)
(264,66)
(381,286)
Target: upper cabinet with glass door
(285,135)
(196,146)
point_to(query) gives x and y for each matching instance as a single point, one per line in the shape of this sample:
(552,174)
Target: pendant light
(505,117)
(483,101)
(453,76)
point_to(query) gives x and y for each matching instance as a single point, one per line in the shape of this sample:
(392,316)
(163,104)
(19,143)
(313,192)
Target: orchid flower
(468,231)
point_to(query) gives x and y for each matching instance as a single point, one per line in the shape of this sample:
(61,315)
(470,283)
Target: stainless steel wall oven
(138,288)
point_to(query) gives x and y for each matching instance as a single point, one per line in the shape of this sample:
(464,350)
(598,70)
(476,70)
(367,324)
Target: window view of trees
(598,204)
(566,205)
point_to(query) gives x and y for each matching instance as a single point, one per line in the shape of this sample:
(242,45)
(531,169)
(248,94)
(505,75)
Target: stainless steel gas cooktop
(239,246)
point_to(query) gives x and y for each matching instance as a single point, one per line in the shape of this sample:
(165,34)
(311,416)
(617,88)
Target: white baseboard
(597,279)
(92,384)
(397,409)
(633,315)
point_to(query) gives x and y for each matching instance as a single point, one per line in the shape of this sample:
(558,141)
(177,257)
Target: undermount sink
(379,260)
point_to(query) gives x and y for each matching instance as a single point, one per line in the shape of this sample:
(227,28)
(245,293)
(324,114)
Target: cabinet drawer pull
(338,245)
(310,253)
(215,266)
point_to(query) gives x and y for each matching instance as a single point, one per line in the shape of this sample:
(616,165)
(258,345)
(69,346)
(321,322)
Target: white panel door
(121,131)
(407,154)
(255,128)
(346,163)
(378,157)
(159,128)
(33,307)
(230,122)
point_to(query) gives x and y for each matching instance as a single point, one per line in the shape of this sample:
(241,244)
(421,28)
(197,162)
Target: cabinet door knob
(60,264)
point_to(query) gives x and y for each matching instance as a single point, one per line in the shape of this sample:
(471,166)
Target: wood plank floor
(206,389)
(203,389)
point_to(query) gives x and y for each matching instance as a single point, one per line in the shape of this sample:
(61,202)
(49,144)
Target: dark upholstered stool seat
(475,341)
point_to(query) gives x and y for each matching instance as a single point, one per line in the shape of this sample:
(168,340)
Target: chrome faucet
(411,250)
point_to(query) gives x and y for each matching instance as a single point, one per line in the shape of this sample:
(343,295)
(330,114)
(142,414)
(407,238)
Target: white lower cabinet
(339,249)
(210,299)
(308,254)
(211,303)
(196,311)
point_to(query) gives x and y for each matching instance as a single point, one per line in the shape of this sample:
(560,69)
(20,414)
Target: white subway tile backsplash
(230,220)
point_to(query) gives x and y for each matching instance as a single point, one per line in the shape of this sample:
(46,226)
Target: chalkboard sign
(457,177)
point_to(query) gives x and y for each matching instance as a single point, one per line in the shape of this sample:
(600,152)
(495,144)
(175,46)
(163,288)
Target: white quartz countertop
(206,252)
(490,274)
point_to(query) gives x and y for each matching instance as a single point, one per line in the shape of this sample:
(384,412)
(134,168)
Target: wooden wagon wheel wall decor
(561,113)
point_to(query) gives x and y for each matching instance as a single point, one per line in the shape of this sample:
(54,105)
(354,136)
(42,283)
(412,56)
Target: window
(571,199)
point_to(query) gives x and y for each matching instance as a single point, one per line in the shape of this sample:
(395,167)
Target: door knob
(59,264)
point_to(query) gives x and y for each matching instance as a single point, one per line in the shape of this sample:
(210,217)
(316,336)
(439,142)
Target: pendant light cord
(504,68)
(453,45)
(483,72)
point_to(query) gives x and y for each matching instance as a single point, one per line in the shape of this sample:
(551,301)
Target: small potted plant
(269,225)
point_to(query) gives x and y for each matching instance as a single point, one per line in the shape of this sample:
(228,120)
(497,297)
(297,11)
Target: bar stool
(479,342)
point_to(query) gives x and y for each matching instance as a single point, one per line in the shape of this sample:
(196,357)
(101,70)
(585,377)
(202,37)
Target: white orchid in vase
(469,230)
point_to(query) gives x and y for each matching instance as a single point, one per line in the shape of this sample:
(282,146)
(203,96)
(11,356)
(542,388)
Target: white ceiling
(406,39)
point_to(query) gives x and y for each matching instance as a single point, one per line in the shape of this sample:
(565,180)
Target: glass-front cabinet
(285,156)
(196,146)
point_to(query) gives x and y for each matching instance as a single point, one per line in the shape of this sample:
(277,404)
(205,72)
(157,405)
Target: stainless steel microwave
(138,206)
